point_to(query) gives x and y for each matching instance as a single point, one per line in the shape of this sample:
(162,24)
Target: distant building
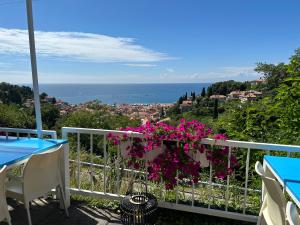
(219,97)
(235,95)
(257,82)
(250,95)
(186,106)
(29,103)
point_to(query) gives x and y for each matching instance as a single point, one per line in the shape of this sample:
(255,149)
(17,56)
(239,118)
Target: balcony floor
(47,212)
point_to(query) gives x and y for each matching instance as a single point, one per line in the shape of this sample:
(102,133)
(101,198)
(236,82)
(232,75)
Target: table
(287,171)
(14,151)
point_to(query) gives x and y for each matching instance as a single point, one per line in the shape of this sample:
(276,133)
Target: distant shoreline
(30,84)
(161,93)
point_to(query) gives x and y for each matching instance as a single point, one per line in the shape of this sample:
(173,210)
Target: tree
(14,94)
(180,100)
(273,74)
(216,113)
(225,87)
(50,115)
(43,95)
(203,92)
(209,91)
(193,96)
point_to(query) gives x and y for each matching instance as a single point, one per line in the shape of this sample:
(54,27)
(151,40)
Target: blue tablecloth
(13,150)
(287,170)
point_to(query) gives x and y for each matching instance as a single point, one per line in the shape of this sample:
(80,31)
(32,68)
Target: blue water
(121,93)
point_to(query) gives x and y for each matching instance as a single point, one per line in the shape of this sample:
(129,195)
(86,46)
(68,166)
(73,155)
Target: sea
(121,93)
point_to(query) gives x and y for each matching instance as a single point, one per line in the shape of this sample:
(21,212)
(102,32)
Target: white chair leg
(62,195)
(28,212)
(8,219)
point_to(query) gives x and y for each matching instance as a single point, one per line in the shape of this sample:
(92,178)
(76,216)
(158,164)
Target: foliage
(14,93)
(273,74)
(50,115)
(203,93)
(14,116)
(225,87)
(216,113)
(272,119)
(95,119)
(176,160)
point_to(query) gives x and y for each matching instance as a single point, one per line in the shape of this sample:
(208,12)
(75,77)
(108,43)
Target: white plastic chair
(40,175)
(292,214)
(4,214)
(272,211)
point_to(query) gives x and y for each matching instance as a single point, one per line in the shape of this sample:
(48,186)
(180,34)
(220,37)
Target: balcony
(99,177)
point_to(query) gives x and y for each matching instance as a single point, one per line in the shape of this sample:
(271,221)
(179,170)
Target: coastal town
(147,112)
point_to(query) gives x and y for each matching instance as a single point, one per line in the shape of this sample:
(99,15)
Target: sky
(147,41)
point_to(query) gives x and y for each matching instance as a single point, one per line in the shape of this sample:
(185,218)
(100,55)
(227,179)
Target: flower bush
(175,162)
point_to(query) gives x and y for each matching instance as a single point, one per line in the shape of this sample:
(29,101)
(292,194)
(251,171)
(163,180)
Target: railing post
(228,180)
(246,181)
(66,170)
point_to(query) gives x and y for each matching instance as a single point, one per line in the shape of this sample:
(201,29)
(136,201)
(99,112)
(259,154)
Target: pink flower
(186,148)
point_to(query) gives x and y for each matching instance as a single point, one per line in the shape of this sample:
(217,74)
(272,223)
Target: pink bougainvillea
(175,163)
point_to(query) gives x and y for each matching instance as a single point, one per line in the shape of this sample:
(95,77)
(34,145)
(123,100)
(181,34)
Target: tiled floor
(48,213)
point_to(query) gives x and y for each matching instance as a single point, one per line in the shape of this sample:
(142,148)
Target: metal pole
(35,83)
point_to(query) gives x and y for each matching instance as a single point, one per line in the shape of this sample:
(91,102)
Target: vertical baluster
(18,135)
(228,180)
(177,185)
(118,169)
(177,179)
(288,154)
(246,180)
(78,161)
(146,167)
(193,193)
(28,135)
(92,161)
(6,134)
(163,196)
(132,170)
(210,182)
(105,162)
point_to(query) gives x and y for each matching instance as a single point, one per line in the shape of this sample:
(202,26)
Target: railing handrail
(208,141)
(252,145)
(99,131)
(51,133)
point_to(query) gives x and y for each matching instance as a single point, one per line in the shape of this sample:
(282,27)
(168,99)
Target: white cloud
(140,65)
(220,74)
(79,46)
(170,70)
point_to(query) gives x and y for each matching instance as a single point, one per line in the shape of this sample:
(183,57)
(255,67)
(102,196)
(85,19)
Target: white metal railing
(17,132)
(104,167)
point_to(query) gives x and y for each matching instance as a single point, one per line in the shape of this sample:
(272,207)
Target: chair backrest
(42,173)
(259,169)
(3,204)
(292,214)
(275,201)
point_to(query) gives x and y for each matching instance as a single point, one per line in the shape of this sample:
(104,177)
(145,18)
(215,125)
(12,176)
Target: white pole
(35,82)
